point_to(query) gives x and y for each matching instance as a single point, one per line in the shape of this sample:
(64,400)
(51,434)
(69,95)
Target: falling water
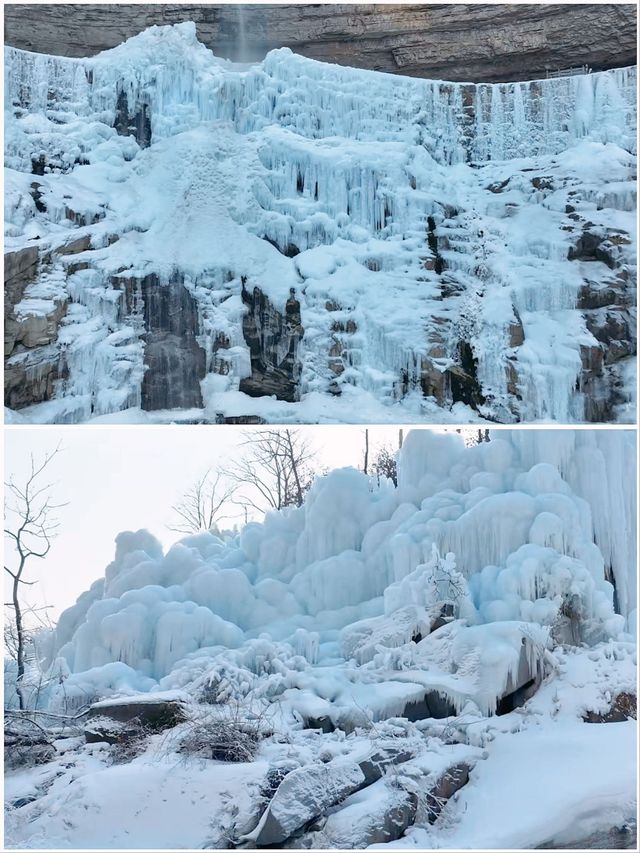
(241,46)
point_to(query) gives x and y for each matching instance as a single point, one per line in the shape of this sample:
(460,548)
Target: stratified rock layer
(452,42)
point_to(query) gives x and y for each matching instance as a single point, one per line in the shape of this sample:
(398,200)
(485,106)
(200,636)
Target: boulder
(101,729)
(304,794)
(432,706)
(446,786)
(599,294)
(154,713)
(464,386)
(586,247)
(433,380)
(378,762)
(75,246)
(623,707)
(323,722)
(379,814)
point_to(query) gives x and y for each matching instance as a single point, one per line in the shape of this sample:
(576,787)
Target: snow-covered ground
(425,226)
(472,616)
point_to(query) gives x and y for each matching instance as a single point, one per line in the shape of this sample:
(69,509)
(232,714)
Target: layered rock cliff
(300,241)
(450,42)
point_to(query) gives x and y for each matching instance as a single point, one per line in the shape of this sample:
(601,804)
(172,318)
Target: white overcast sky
(127,478)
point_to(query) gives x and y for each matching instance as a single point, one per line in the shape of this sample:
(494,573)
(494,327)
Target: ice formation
(375,646)
(455,584)
(450,245)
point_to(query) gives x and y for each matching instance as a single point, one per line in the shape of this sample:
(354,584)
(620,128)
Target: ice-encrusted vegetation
(457,251)
(332,676)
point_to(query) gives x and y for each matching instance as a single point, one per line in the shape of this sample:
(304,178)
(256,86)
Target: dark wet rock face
(432,706)
(20,269)
(624,707)
(607,302)
(273,340)
(174,361)
(136,124)
(38,165)
(32,378)
(32,365)
(463,379)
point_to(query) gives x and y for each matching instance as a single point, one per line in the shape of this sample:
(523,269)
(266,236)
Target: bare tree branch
(274,472)
(202,506)
(31,537)
(385,465)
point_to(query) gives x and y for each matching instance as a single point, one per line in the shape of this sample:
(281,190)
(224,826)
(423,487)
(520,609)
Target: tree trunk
(366,451)
(20,643)
(294,467)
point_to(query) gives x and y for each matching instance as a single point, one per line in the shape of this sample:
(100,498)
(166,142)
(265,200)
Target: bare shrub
(226,732)
(385,465)
(131,742)
(27,743)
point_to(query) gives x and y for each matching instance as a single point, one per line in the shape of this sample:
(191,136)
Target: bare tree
(31,526)
(32,636)
(472,436)
(274,471)
(202,505)
(366,451)
(384,464)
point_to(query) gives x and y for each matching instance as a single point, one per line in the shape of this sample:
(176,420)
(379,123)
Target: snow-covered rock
(378,814)
(304,794)
(156,711)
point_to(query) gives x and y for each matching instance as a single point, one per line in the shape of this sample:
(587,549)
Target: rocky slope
(450,42)
(187,236)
